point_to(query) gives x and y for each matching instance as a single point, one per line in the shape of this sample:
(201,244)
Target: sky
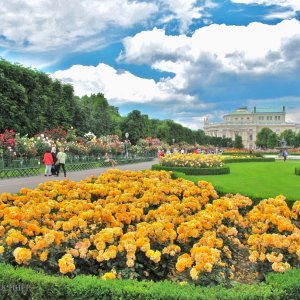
(171,59)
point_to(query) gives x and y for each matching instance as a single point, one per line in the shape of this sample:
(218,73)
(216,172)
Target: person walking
(284,154)
(61,160)
(48,161)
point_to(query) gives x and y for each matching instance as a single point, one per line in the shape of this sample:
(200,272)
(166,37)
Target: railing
(83,163)
(29,167)
(19,167)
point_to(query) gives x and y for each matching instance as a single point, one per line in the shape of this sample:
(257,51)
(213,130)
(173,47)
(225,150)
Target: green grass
(259,180)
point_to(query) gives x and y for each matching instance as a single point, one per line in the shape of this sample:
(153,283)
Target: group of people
(53,162)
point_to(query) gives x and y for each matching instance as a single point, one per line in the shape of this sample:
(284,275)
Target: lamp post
(173,140)
(126,144)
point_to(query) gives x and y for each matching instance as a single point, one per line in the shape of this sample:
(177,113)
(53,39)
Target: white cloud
(217,49)
(293,116)
(47,25)
(185,11)
(117,86)
(293,5)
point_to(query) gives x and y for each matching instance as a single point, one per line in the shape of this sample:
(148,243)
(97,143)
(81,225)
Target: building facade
(247,124)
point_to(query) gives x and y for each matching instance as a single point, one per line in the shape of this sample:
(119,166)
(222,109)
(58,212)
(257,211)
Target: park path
(13,185)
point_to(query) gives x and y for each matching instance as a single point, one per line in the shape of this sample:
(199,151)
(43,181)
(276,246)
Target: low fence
(19,167)
(30,167)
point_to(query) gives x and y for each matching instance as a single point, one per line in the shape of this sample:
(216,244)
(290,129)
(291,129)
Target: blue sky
(171,59)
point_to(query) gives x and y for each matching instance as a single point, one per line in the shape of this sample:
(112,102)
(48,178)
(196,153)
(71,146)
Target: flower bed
(192,160)
(145,225)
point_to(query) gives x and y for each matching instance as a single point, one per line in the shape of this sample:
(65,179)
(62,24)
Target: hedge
(23,283)
(194,171)
(297,171)
(254,159)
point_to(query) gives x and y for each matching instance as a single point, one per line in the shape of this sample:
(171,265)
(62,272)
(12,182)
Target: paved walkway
(13,185)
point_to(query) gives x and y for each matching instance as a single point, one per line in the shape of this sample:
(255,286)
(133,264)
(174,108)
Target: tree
(297,140)
(238,142)
(289,136)
(262,137)
(272,140)
(137,125)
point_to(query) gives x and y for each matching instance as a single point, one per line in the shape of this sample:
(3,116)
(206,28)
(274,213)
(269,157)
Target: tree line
(31,102)
(267,138)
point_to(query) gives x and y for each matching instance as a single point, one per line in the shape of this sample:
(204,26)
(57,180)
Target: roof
(241,111)
(269,110)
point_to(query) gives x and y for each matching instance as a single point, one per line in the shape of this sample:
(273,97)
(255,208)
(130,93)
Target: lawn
(259,180)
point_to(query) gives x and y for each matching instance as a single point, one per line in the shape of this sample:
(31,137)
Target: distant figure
(109,160)
(182,151)
(48,161)
(61,160)
(284,154)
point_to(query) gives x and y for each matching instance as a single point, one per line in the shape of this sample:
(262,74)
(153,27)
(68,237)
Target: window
(278,117)
(251,137)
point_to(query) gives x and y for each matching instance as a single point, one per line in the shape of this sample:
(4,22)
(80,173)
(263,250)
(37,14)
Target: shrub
(297,171)
(254,159)
(194,171)
(22,283)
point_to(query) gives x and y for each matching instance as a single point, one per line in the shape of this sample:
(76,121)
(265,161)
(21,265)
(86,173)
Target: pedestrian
(109,160)
(61,160)
(284,154)
(48,161)
(53,153)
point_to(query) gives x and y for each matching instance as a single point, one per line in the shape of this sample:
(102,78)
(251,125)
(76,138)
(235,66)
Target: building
(248,123)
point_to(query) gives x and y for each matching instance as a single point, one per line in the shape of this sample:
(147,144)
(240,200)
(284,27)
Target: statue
(283,142)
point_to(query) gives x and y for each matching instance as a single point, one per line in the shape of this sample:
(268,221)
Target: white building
(248,123)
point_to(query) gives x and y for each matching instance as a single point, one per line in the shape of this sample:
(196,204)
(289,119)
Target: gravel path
(13,185)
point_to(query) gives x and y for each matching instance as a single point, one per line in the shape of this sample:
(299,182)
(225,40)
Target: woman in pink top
(48,161)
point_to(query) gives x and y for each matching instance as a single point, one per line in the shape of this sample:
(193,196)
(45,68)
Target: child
(48,161)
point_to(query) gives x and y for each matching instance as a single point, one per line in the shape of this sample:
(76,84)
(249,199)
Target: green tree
(238,142)
(297,140)
(137,125)
(262,137)
(272,140)
(289,136)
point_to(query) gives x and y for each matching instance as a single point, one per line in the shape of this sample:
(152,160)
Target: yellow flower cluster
(274,236)
(66,264)
(125,218)
(192,160)
(22,255)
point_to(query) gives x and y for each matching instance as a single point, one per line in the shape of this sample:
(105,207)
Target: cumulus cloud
(49,25)
(292,5)
(117,86)
(215,50)
(185,11)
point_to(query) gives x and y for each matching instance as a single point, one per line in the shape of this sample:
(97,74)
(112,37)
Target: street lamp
(126,145)
(173,140)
